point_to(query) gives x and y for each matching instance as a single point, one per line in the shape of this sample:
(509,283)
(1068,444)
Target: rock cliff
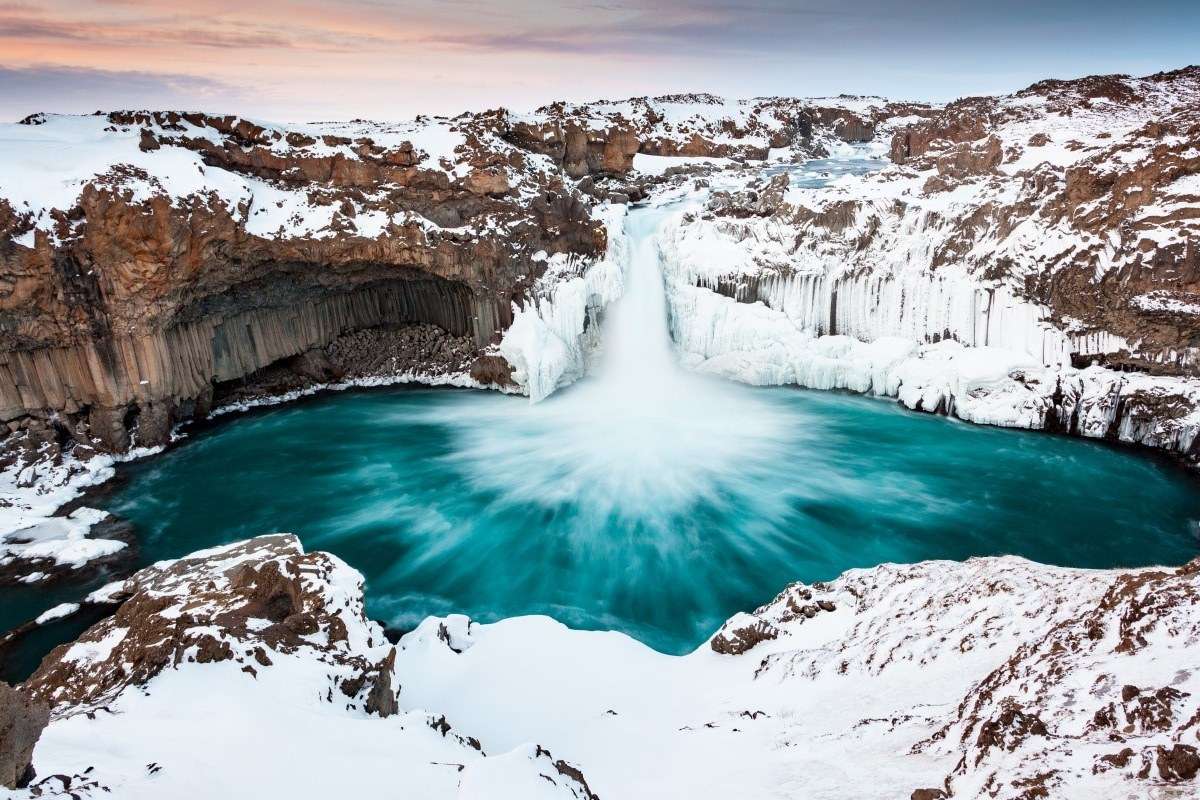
(1024,260)
(148,257)
(1027,260)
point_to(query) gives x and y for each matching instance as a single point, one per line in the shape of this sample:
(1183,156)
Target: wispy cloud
(320,58)
(23,23)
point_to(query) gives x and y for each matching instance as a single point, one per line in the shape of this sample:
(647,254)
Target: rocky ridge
(283,633)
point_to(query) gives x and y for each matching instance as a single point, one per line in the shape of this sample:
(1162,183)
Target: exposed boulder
(241,603)
(22,720)
(492,370)
(488,182)
(381,698)
(736,639)
(760,200)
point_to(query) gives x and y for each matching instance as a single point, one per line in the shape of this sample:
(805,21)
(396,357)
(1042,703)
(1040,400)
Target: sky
(304,60)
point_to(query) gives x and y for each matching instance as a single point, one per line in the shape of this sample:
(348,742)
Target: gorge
(614,262)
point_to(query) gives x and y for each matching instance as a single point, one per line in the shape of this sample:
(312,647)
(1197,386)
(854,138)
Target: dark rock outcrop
(22,720)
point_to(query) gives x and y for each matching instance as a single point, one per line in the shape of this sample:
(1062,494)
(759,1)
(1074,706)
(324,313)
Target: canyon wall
(1027,260)
(148,381)
(161,254)
(211,248)
(146,257)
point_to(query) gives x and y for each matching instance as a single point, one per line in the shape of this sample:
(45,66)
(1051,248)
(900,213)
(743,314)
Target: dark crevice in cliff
(146,383)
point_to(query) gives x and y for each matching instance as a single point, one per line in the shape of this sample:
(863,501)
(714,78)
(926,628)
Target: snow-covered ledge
(992,676)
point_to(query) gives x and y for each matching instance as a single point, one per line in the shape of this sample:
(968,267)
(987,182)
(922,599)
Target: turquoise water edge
(408,487)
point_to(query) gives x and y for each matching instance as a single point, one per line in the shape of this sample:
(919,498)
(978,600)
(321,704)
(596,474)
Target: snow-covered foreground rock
(251,670)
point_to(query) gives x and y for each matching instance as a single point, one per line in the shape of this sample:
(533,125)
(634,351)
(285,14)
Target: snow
(657,165)
(106,593)
(44,168)
(945,340)
(29,529)
(1165,301)
(61,540)
(755,344)
(874,685)
(869,700)
(201,730)
(859,104)
(1186,185)
(545,344)
(57,612)
(96,651)
(806,715)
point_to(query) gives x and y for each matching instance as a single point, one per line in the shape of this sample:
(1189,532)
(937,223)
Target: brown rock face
(492,370)
(22,720)
(965,120)
(259,595)
(488,183)
(381,698)
(1007,730)
(738,640)
(1180,762)
(928,794)
(579,150)
(125,319)
(970,159)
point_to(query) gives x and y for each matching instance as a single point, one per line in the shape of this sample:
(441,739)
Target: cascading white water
(638,356)
(640,438)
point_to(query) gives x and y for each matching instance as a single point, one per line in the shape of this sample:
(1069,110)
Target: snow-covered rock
(236,671)
(251,669)
(970,277)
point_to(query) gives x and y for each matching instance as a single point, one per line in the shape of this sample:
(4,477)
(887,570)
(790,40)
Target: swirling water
(643,499)
(647,499)
(468,502)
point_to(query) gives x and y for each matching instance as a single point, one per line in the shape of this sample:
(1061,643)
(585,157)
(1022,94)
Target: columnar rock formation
(205,248)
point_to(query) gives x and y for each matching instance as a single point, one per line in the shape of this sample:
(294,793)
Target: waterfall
(640,438)
(638,355)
